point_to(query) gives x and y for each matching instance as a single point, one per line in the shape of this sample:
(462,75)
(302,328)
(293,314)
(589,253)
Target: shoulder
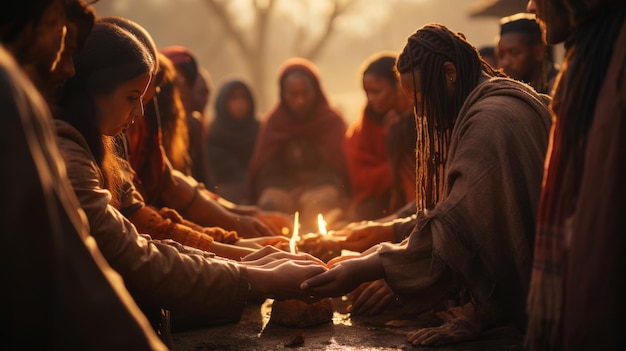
(75,152)
(505,101)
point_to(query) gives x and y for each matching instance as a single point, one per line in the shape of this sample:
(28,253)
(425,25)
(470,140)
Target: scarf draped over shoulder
(325,127)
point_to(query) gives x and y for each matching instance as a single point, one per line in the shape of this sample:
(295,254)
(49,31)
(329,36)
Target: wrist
(257,282)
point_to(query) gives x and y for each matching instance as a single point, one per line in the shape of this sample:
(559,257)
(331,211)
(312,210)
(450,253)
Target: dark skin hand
(371,298)
(345,276)
(460,324)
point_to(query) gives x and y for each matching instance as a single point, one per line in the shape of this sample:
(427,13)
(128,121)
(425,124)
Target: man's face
(553,18)
(517,57)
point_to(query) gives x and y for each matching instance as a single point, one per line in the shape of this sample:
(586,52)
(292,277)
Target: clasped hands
(282,275)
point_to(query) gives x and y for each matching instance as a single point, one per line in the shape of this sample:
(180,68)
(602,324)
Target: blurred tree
(254,48)
(250,38)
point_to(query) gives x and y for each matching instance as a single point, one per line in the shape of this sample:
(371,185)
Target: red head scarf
(325,126)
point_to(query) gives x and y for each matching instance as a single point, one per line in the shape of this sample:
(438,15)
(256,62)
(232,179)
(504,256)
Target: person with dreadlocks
(482,138)
(522,53)
(576,298)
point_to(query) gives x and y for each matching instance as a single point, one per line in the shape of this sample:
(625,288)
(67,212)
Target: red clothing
(368,162)
(324,127)
(146,156)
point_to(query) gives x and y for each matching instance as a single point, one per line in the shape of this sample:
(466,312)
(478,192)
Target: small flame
(294,236)
(321,224)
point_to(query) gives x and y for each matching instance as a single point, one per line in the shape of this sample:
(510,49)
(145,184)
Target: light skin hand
(281,279)
(257,243)
(270,253)
(230,251)
(371,298)
(345,276)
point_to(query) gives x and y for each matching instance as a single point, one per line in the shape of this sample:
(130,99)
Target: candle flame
(294,236)
(321,224)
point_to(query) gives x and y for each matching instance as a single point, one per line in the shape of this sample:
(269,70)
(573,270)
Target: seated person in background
(174,127)
(193,82)
(522,53)
(163,186)
(477,205)
(366,139)
(113,72)
(298,162)
(230,140)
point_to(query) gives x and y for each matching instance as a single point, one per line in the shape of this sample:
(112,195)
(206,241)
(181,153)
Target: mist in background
(250,39)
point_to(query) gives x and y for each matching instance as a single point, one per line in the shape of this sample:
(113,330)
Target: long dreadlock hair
(424,54)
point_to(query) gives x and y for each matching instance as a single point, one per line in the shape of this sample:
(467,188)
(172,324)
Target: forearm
(230,251)
(149,221)
(186,196)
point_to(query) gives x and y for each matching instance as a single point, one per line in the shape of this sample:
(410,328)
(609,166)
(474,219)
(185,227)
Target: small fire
(321,224)
(294,236)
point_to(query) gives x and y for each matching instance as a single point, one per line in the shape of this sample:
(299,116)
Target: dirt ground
(383,332)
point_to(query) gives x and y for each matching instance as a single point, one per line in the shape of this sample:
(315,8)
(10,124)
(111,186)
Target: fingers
(351,245)
(373,298)
(450,332)
(313,284)
(275,240)
(333,262)
(425,337)
(266,250)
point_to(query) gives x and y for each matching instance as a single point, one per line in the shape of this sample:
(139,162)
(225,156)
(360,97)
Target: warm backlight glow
(321,224)
(294,236)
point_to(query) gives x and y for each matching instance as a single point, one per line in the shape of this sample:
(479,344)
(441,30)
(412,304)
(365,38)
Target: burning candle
(294,236)
(321,224)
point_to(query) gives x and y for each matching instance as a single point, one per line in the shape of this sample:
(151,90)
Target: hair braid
(424,54)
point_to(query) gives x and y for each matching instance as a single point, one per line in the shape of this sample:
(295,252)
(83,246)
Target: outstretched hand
(279,242)
(271,253)
(280,278)
(251,227)
(345,276)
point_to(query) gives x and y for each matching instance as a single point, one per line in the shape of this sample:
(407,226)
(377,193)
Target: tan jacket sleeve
(155,272)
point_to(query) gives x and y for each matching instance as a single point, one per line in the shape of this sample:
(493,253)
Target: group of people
(493,201)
